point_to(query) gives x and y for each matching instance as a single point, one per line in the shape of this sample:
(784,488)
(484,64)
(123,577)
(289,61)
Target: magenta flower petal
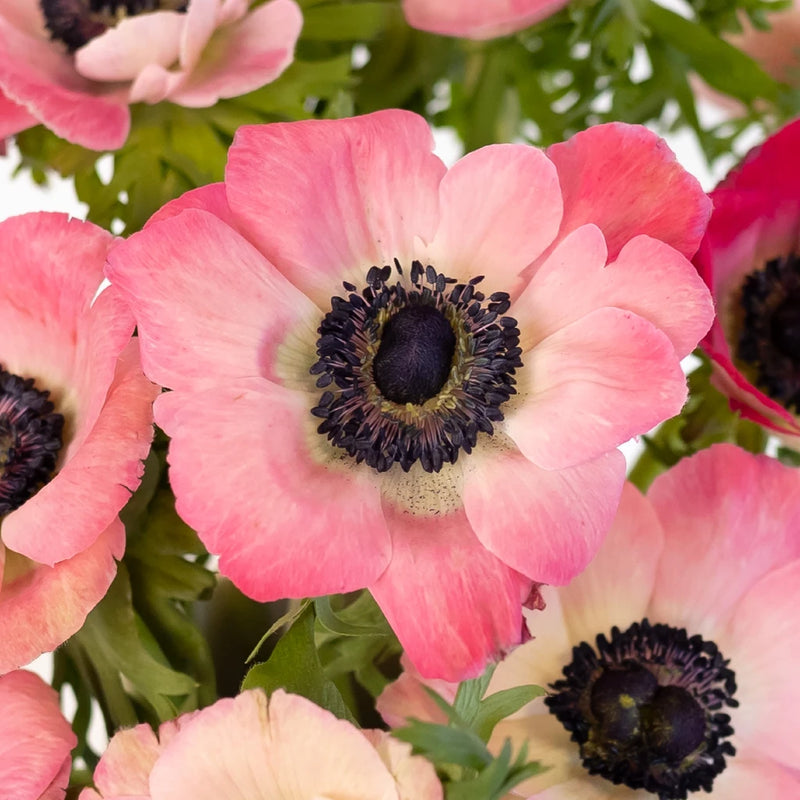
(575,506)
(423,550)
(35,739)
(211,198)
(749,261)
(614,166)
(477,19)
(185,261)
(339,539)
(588,366)
(385,157)
(729,507)
(13,119)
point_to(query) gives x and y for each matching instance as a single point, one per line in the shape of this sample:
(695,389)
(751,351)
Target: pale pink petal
(762,640)
(749,778)
(649,278)
(199,23)
(203,321)
(592,386)
(122,52)
(35,739)
(738,517)
(339,196)
(35,74)
(98,479)
(477,19)
(587,787)
(617,176)
(211,198)
(548,742)
(153,84)
(406,698)
(243,56)
(415,777)
(540,660)
(26,16)
(500,209)
(299,526)
(453,605)
(257,749)
(125,766)
(546,524)
(41,607)
(616,587)
(13,117)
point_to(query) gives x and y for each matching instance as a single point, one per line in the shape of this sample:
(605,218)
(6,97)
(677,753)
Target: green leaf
(287,620)
(350,22)
(720,64)
(443,744)
(468,697)
(295,666)
(502,704)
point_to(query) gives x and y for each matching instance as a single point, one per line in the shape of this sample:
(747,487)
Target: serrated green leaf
(287,620)
(721,65)
(295,666)
(502,704)
(443,744)
(351,22)
(468,696)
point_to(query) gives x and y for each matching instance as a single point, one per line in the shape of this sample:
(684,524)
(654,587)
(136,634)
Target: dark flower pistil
(414,367)
(645,706)
(30,439)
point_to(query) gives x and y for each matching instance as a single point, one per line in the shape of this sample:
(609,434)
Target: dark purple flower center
(30,440)
(414,367)
(77,22)
(644,709)
(769,339)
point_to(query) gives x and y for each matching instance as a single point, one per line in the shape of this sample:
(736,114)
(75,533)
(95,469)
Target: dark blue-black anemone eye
(413,367)
(646,709)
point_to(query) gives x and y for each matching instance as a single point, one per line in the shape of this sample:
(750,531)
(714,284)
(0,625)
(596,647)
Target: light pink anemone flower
(750,259)
(253,748)
(75,423)
(35,740)
(76,70)
(695,595)
(441,438)
(477,19)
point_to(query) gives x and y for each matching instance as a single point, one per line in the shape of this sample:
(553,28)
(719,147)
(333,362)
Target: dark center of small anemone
(415,355)
(644,709)
(768,347)
(30,440)
(414,367)
(77,22)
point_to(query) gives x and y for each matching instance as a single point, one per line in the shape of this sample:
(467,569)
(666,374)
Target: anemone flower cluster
(35,739)
(750,259)
(254,748)
(477,19)
(386,374)
(75,425)
(670,661)
(76,66)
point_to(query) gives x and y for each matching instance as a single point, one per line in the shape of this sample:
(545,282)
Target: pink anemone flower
(671,662)
(35,740)
(390,375)
(477,19)
(75,424)
(75,66)
(750,259)
(254,748)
